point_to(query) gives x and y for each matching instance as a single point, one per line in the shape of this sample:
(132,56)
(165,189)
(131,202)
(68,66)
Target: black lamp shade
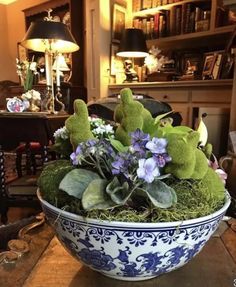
(48,35)
(132,44)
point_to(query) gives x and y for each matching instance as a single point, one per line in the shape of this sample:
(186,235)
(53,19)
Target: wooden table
(24,127)
(214,266)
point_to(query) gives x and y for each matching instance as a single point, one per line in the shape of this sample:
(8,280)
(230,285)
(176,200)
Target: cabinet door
(183,109)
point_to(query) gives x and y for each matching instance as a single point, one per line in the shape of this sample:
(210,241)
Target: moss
(78,124)
(193,201)
(51,177)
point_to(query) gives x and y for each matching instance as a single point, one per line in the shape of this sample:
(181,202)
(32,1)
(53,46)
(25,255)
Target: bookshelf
(180,22)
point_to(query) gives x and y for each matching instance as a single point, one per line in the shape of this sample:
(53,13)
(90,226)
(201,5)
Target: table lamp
(51,38)
(132,45)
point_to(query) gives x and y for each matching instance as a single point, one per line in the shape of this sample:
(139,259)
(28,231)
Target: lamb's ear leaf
(95,196)
(118,145)
(160,194)
(118,193)
(76,181)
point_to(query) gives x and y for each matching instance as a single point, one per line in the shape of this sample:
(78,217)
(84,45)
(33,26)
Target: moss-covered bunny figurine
(131,115)
(78,124)
(189,162)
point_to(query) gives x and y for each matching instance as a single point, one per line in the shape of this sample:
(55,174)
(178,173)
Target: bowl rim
(179,223)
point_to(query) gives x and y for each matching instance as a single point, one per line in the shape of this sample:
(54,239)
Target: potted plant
(136,200)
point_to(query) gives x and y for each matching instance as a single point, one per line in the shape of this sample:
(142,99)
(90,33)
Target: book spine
(172,21)
(156,25)
(178,20)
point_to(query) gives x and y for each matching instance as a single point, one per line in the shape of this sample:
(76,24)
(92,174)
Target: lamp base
(48,102)
(58,102)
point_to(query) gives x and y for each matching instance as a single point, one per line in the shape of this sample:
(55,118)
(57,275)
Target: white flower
(61,133)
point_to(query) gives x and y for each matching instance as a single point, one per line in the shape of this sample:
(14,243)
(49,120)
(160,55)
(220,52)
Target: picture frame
(209,62)
(216,72)
(118,22)
(191,64)
(212,65)
(116,63)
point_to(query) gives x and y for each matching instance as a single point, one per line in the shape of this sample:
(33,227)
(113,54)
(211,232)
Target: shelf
(153,11)
(219,35)
(196,83)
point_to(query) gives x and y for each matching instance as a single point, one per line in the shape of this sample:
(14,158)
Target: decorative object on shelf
(132,45)
(159,67)
(136,201)
(26,70)
(118,22)
(15,105)
(32,100)
(66,19)
(51,38)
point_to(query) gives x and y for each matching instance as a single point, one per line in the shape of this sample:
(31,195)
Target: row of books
(139,5)
(181,19)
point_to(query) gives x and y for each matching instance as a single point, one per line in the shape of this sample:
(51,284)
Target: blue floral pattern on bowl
(132,251)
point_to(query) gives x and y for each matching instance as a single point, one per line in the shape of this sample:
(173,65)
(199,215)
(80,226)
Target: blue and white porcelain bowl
(132,251)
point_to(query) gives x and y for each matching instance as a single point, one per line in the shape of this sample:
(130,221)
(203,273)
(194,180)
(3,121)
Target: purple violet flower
(74,159)
(157,145)
(121,164)
(139,140)
(162,159)
(148,169)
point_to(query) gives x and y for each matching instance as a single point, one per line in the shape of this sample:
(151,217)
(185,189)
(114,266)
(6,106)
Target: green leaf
(76,181)
(95,196)
(118,193)
(118,145)
(159,117)
(160,194)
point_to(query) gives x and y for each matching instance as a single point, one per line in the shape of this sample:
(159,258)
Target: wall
(97,47)
(12,30)
(4,55)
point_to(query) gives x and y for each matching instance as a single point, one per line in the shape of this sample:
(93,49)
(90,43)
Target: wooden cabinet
(184,97)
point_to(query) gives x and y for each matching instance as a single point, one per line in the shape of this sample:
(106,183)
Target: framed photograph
(217,65)
(116,63)
(209,62)
(212,65)
(227,66)
(191,64)
(118,22)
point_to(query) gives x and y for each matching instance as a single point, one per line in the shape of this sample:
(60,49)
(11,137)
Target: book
(178,18)
(156,25)
(172,21)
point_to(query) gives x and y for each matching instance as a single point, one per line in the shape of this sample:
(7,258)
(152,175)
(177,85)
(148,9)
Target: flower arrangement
(26,71)
(155,60)
(141,169)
